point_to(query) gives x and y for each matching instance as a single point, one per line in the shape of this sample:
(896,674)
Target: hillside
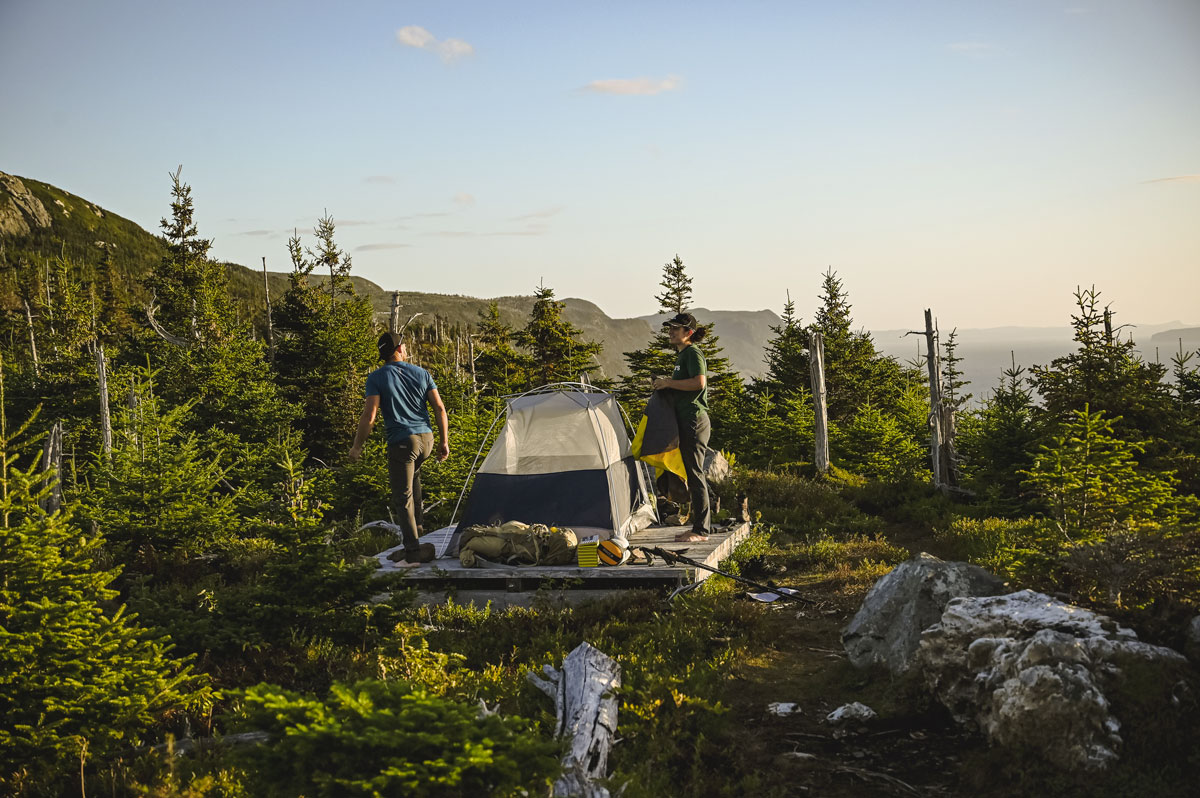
(38,221)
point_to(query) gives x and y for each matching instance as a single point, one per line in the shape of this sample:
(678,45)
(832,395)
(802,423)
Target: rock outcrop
(20,211)
(1191,640)
(911,598)
(1036,674)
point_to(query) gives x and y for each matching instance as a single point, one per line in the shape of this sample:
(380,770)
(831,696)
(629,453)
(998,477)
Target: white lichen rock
(847,713)
(1034,673)
(906,601)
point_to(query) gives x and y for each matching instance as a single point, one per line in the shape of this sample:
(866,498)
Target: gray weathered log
(105,413)
(270,323)
(32,339)
(183,343)
(936,431)
(394,319)
(816,370)
(585,703)
(52,462)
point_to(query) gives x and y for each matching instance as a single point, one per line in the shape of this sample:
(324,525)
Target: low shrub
(377,738)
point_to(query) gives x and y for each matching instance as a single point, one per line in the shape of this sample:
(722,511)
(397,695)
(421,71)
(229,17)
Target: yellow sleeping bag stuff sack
(657,439)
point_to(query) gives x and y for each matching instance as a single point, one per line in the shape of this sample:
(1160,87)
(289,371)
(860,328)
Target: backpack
(515,543)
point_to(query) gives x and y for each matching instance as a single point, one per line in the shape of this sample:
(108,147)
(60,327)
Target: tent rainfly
(562,459)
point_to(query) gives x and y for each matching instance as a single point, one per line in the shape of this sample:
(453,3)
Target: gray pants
(693,446)
(404,459)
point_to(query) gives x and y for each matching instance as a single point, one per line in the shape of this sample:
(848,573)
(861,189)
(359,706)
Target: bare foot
(690,537)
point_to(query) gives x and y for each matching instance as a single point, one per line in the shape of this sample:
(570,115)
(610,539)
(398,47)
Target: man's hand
(355,453)
(661,382)
(443,450)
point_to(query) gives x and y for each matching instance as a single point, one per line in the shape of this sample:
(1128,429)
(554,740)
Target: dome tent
(562,459)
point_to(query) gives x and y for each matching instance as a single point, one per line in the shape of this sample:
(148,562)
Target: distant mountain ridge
(41,221)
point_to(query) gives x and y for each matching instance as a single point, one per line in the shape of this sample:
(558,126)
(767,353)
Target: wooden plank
(449,572)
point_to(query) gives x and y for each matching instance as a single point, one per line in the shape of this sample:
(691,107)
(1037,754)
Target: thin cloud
(633,86)
(380,180)
(259,233)
(1176,179)
(450,50)
(464,199)
(546,214)
(518,233)
(375,247)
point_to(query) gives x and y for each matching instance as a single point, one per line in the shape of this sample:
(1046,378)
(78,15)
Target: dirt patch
(911,748)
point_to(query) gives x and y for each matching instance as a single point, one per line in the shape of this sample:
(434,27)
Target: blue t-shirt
(402,389)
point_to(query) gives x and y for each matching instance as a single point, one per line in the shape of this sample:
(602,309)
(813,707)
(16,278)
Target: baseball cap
(389,342)
(682,320)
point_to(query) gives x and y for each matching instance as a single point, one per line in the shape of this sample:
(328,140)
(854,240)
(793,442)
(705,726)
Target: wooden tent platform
(448,574)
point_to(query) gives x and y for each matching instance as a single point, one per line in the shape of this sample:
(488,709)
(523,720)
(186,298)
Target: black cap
(389,342)
(682,320)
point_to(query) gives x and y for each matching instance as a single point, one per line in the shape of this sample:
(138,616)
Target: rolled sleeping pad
(613,552)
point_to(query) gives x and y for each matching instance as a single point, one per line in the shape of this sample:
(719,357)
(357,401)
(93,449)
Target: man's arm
(690,384)
(443,423)
(365,422)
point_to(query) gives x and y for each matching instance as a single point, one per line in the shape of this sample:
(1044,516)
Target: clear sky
(982,158)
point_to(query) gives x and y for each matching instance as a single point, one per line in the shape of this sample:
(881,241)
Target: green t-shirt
(689,362)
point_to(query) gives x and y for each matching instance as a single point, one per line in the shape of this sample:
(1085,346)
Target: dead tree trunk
(52,463)
(938,450)
(816,372)
(585,702)
(471,360)
(394,321)
(270,323)
(105,414)
(32,338)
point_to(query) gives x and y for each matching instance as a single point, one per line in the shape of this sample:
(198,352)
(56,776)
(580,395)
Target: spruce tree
(855,373)
(786,355)
(325,343)
(497,364)
(1105,373)
(210,356)
(952,376)
(996,443)
(79,679)
(658,357)
(554,350)
(1091,483)
(676,297)
(163,497)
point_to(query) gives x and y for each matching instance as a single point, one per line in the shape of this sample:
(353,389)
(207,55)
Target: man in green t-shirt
(689,383)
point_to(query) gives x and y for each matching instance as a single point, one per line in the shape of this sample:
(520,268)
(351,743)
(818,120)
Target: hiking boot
(425,553)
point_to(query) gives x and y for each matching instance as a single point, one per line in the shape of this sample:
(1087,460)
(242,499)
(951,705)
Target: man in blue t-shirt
(402,390)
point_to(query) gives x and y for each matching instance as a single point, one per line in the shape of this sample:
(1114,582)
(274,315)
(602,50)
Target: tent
(562,459)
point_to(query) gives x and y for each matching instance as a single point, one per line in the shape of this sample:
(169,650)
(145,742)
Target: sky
(979,158)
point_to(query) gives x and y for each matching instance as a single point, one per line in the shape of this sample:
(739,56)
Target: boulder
(716,467)
(851,712)
(1036,674)
(1191,640)
(905,602)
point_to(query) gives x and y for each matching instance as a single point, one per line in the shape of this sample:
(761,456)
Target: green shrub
(796,503)
(79,679)
(377,738)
